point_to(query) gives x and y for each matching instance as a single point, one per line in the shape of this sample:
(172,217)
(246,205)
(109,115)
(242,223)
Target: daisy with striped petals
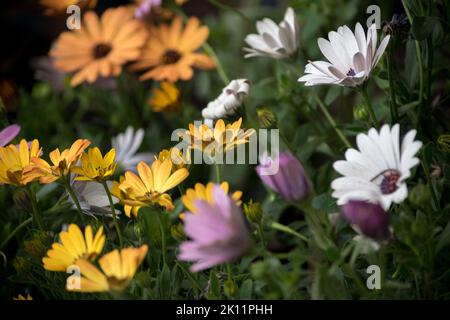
(377,172)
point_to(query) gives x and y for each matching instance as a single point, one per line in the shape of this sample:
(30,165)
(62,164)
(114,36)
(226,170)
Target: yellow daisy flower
(53,7)
(63,163)
(217,140)
(74,246)
(117,269)
(150,187)
(21,297)
(14,160)
(170,51)
(101,46)
(165,98)
(176,156)
(202,192)
(94,167)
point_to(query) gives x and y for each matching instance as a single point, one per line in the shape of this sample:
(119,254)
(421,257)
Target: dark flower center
(171,56)
(101,50)
(351,73)
(389,182)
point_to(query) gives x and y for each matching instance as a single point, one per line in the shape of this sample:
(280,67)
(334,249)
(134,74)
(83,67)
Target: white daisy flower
(351,56)
(92,198)
(272,40)
(228,101)
(377,172)
(126,145)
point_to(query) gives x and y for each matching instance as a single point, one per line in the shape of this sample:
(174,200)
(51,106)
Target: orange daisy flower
(170,51)
(53,7)
(101,46)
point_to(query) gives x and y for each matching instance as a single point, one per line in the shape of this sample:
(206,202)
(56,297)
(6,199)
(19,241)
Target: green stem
(113,211)
(17,229)
(393,104)
(218,173)
(281,227)
(261,235)
(72,194)
(369,106)
(220,70)
(34,209)
(227,7)
(332,122)
(287,143)
(189,275)
(163,239)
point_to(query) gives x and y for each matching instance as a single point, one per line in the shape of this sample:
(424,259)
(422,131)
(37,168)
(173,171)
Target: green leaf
(444,238)
(245,292)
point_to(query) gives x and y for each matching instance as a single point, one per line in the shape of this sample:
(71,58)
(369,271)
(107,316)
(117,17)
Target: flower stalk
(113,212)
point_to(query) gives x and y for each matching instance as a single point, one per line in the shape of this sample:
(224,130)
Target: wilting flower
(100,47)
(176,156)
(205,193)
(352,57)
(126,144)
(369,218)
(60,6)
(165,98)
(145,7)
(8,134)
(117,269)
(21,297)
(217,140)
(95,167)
(217,232)
(377,172)
(170,51)
(398,25)
(228,101)
(63,163)
(150,187)
(92,198)
(74,246)
(272,40)
(289,181)
(14,161)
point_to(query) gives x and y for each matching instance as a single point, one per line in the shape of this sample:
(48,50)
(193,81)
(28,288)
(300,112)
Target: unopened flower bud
(253,211)
(266,118)
(21,200)
(177,231)
(360,113)
(420,195)
(444,142)
(230,288)
(37,246)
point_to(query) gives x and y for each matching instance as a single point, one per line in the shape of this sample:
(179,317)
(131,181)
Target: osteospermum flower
(217,140)
(95,167)
(289,181)
(217,232)
(100,47)
(377,172)
(205,193)
(92,198)
(170,51)
(179,160)
(275,41)
(351,56)
(117,269)
(14,160)
(8,134)
(126,145)
(227,103)
(60,6)
(150,187)
(26,297)
(165,98)
(74,246)
(62,164)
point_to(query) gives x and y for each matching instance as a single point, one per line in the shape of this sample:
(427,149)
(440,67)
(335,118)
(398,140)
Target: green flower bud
(444,142)
(37,246)
(360,113)
(177,231)
(266,118)
(420,195)
(230,288)
(20,198)
(253,211)
(21,264)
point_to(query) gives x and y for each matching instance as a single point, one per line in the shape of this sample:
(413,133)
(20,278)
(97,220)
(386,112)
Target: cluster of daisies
(165,49)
